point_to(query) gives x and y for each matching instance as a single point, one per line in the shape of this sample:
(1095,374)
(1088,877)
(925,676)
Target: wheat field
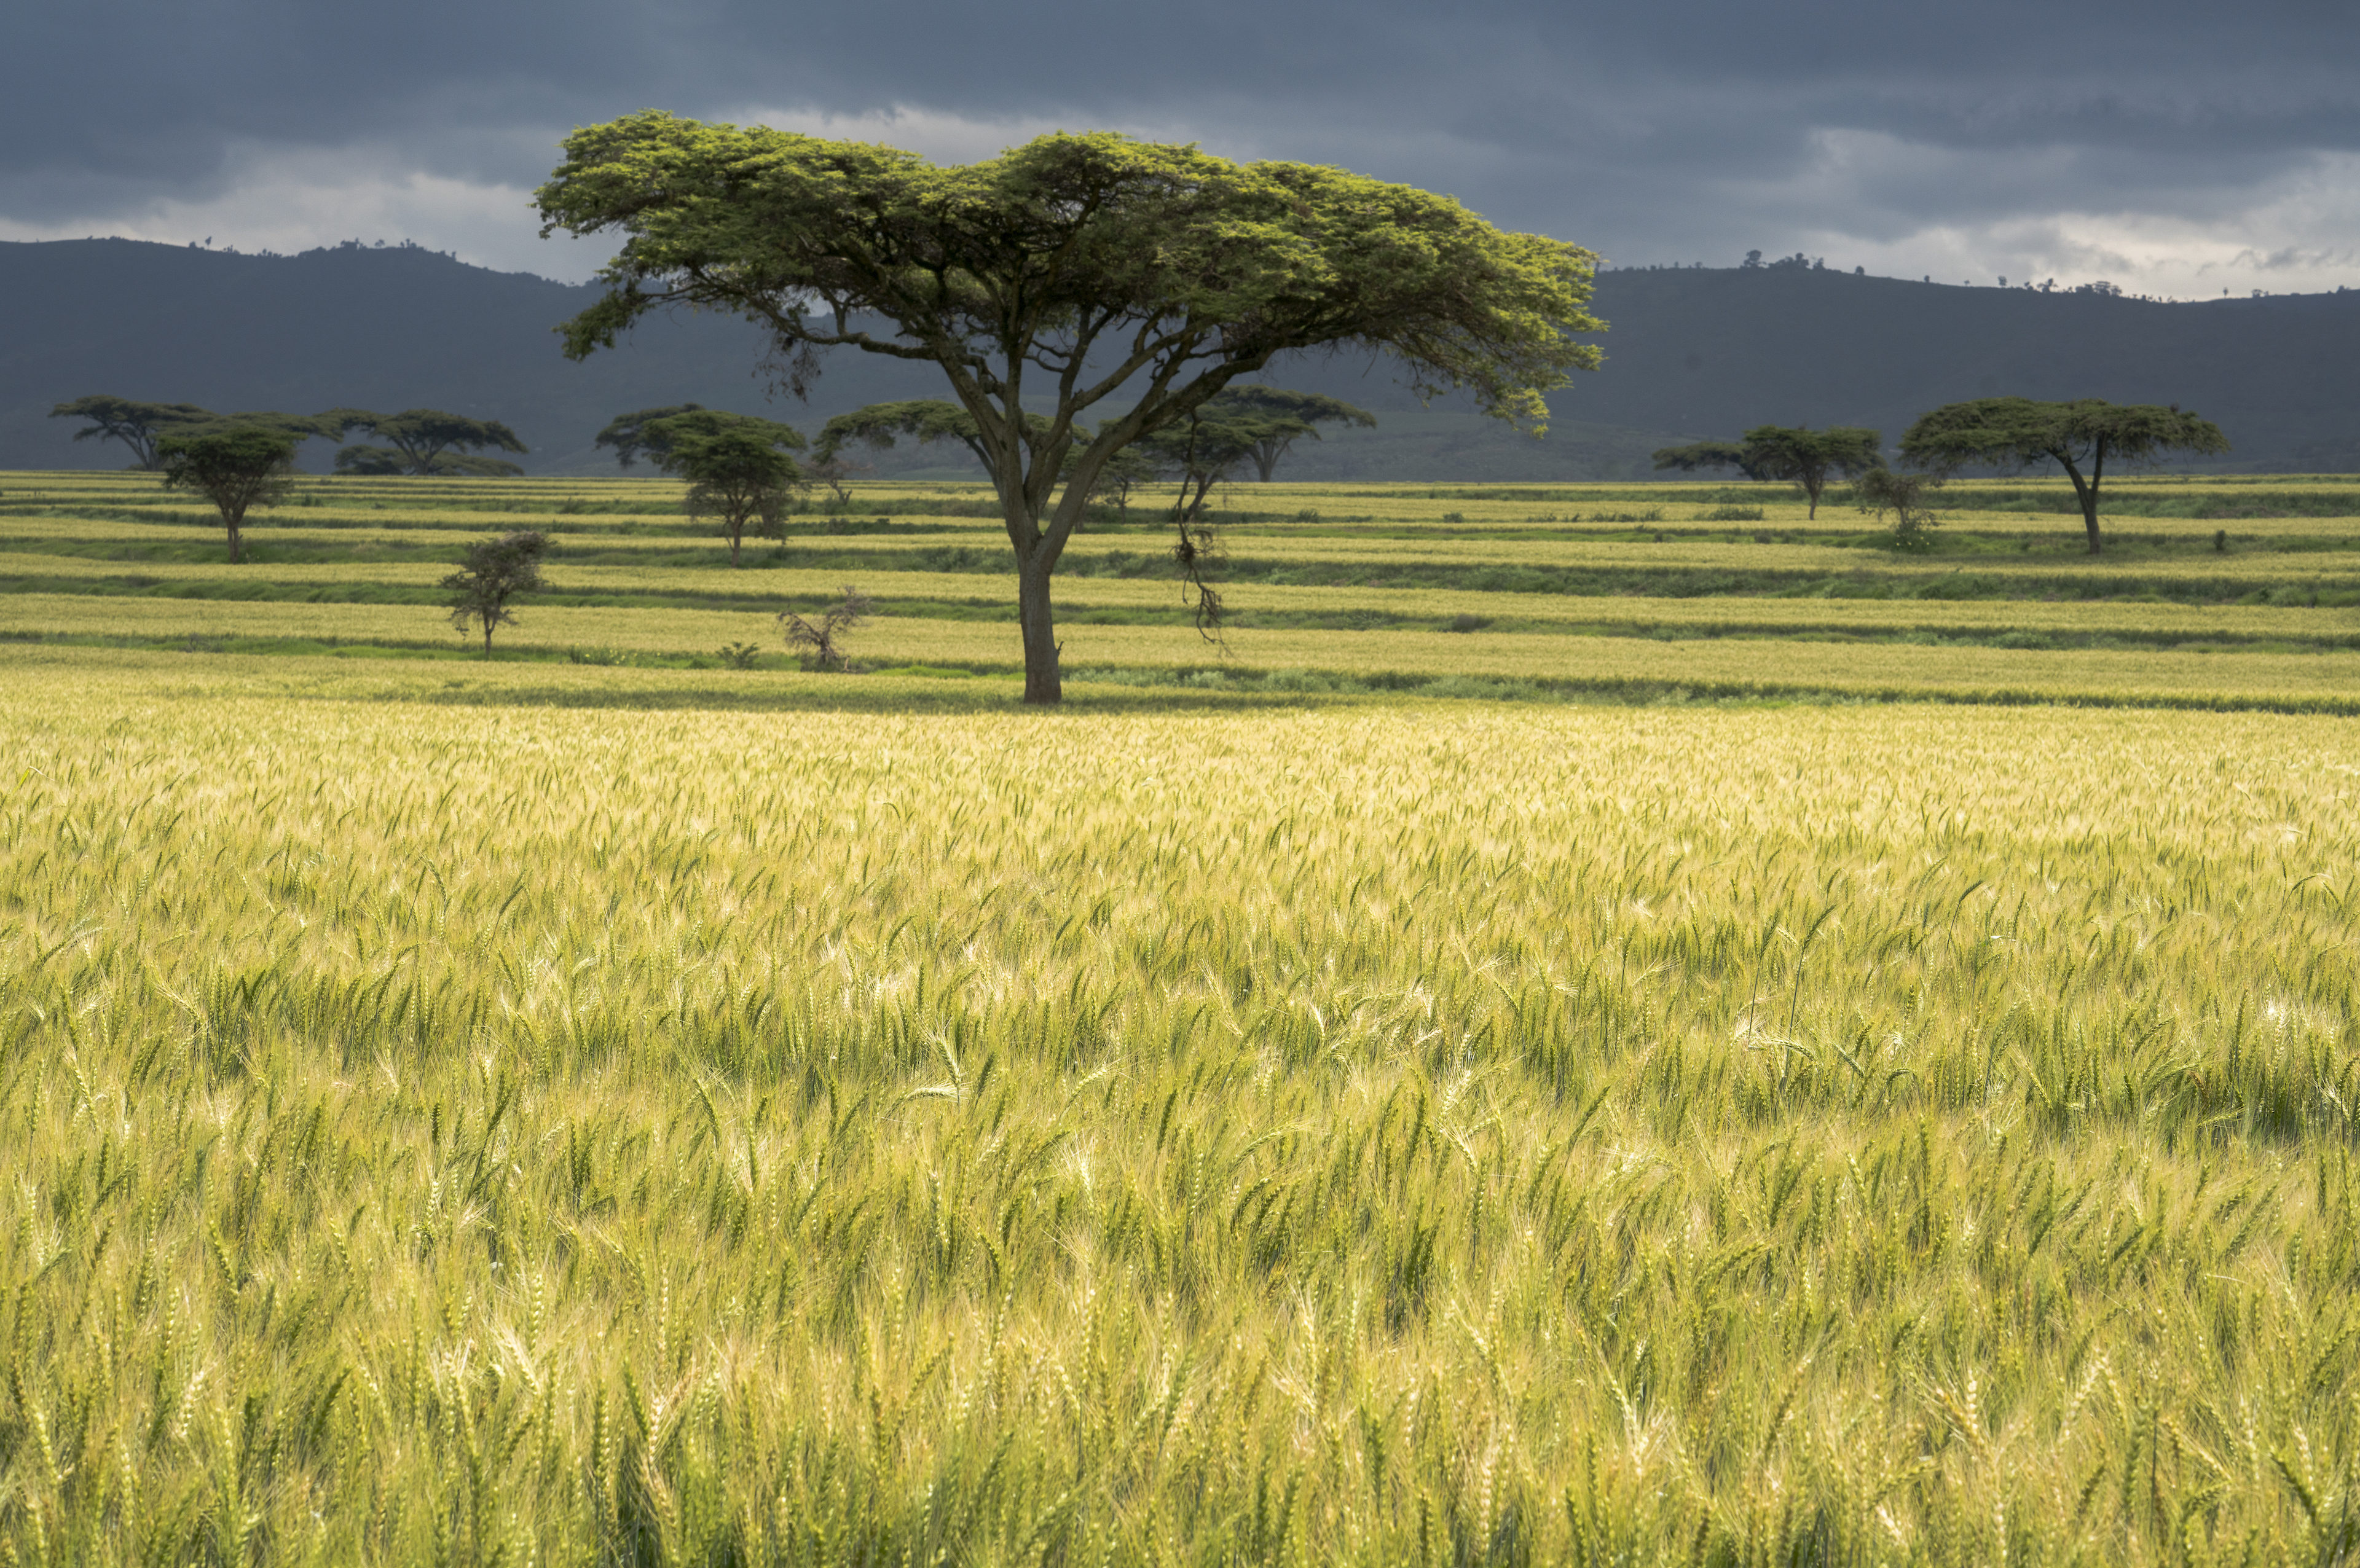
(1373,1133)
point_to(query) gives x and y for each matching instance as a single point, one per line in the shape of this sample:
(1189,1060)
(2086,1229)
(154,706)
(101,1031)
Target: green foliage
(923,419)
(136,424)
(737,466)
(492,572)
(1289,414)
(625,433)
(1186,270)
(1709,454)
(1908,497)
(363,460)
(1809,458)
(235,467)
(2015,433)
(421,438)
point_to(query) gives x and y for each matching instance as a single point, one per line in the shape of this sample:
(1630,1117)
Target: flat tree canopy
(1810,458)
(1706,454)
(233,466)
(923,419)
(141,426)
(2015,432)
(425,442)
(1072,270)
(136,424)
(627,434)
(1306,409)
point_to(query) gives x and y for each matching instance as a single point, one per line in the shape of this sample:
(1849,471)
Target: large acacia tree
(2015,433)
(1072,270)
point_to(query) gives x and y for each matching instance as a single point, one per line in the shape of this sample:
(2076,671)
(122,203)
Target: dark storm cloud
(1650,132)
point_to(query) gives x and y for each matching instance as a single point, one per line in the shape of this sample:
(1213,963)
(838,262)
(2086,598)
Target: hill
(1689,353)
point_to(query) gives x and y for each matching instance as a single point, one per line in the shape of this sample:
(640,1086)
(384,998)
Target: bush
(1731,514)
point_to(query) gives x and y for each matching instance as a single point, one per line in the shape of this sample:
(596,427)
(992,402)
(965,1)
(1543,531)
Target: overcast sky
(2172,148)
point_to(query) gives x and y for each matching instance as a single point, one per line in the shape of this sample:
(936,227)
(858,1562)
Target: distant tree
(626,433)
(923,419)
(492,572)
(822,640)
(837,473)
(420,440)
(1707,454)
(1120,475)
(1810,458)
(2014,433)
(137,425)
(1308,409)
(737,467)
(1199,453)
(1081,271)
(233,466)
(1907,496)
(1211,445)
(363,460)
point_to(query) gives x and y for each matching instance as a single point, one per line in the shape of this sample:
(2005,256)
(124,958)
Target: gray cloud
(2170,141)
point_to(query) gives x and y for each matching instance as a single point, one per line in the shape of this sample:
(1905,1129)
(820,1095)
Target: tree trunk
(733,548)
(487,636)
(1044,683)
(2085,492)
(235,554)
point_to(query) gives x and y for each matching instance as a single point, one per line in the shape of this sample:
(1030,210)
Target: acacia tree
(1707,454)
(1199,453)
(2017,432)
(737,467)
(627,434)
(1810,458)
(138,426)
(426,441)
(493,572)
(233,466)
(1073,269)
(141,426)
(1287,409)
(923,419)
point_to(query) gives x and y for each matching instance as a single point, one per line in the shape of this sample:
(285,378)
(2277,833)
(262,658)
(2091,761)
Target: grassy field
(1810,1080)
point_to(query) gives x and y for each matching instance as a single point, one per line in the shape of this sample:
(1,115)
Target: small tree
(627,434)
(233,466)
(2017,432)
(1810,458)
(426,441)
(1906,497)
(837,473)
(737,467)
(1123,473)
(822,641)
(493,571)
